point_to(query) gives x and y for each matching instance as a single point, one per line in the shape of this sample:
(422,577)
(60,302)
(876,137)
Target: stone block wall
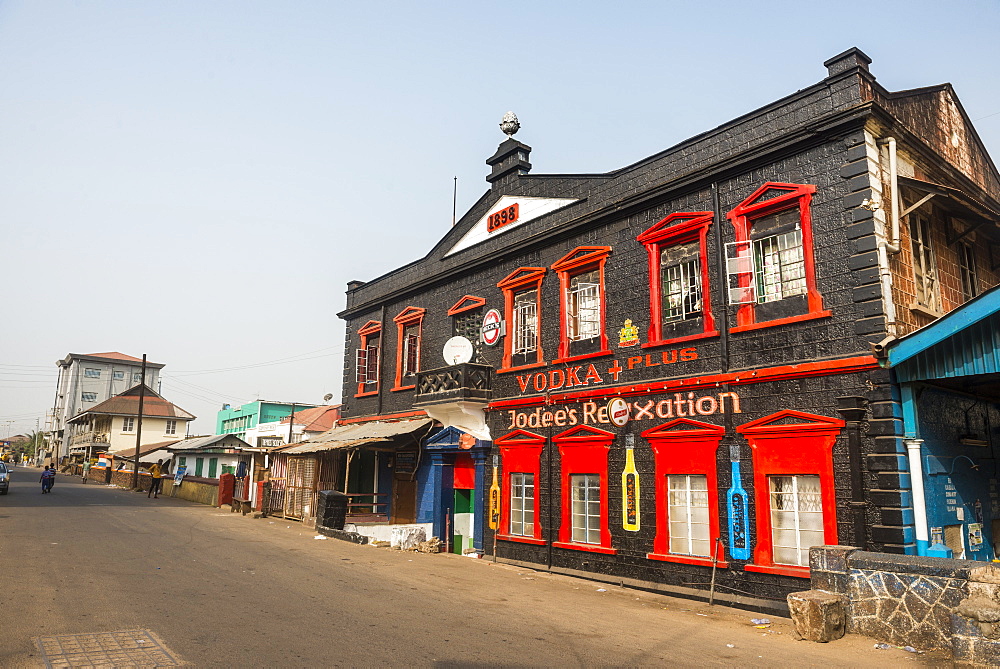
(924,602)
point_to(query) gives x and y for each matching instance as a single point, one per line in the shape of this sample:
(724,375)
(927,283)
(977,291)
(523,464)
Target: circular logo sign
(492,327)
(457,350)
(618,411)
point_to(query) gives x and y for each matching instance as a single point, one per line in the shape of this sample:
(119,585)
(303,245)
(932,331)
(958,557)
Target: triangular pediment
(581,255)
(410,314)
(584,433)
(506,214)
(676,225)
(517,437)
(771,194)
(790,421)
(467,303)
(448,436)
(370,327)
(521,276)
(683,428)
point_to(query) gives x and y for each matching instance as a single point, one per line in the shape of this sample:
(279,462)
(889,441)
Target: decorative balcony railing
(88,438)
(468,382)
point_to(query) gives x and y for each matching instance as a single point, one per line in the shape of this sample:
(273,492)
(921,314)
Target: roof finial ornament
(509,124)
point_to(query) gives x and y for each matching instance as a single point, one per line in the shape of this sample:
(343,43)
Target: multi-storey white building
(86,380)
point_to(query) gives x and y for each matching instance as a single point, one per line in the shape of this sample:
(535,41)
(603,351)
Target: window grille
(767,269)
(796,518)
(681,288)
(411,352)
(584,301)
(118,375)
(525,322)
(924,263)
(367,365)
(136,377)
(522,504)
(586,508)
(969,272)
(467,324)
(687,515)
(92,373)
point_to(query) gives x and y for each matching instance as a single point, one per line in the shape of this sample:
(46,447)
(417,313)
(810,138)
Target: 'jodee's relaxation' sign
(681,405)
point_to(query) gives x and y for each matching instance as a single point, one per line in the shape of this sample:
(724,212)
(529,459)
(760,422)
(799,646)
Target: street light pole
(138,427)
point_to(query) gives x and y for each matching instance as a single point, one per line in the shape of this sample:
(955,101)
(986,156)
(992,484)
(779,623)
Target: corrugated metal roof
(965,342)
(204,442)
(347,436)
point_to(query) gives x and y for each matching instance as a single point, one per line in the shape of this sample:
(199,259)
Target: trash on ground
(730,645)
(760,621)
(882,646)
(602,590)
(320,537)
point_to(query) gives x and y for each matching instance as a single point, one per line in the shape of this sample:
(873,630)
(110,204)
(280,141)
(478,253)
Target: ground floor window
(522,504)
(586,511)
(213,464)
(796,518)
(199,466)
(688,515)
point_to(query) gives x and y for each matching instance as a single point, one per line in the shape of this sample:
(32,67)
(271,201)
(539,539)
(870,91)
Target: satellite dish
(327,397)
(458,350)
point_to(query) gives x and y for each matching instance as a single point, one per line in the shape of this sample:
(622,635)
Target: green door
(199,466)
(213,465)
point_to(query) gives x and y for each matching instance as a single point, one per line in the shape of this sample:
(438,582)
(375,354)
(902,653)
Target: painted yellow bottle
(630,493)
(495,501)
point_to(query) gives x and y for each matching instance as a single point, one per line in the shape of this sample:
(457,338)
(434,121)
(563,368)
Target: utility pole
(291,422)
(138,427)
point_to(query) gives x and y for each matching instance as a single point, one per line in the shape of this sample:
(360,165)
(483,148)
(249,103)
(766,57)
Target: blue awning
(964,342)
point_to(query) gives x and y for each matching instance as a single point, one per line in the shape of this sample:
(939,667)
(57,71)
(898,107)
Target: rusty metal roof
(348,436)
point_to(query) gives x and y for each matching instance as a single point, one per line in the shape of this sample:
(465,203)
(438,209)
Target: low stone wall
(924,602)
(203,491)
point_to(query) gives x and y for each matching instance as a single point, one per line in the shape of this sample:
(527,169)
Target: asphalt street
(223,590)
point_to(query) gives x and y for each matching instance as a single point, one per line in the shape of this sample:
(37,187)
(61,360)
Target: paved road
(222,590)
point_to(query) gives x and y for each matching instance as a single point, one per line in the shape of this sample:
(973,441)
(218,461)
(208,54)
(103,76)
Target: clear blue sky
(199,180)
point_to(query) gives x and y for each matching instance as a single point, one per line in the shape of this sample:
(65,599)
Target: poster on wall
(738,507)
(495,499)
(179,475)
(630,488)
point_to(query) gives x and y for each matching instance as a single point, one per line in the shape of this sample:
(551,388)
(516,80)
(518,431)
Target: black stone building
(685,373)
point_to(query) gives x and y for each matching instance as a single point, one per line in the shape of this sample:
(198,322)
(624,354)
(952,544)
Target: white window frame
(411,350)
(88,397)
(136,377)
(788,516)
(368,362)
(585,511)
(680,287)
(117,375)
(128,423)
(583,306)
(171,427)
(925,276)
(766,269)
(91,373)
(682,515)
(969,272)
(525,322)
(522,515)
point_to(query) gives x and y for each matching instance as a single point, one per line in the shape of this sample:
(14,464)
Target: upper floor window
(92,373)
(171,427)
(770,266)
(467,317)
(367,370)
(679,305)
(136,377)
(925,278)
(967,268)
(408,324)
(128,424)
(118,375)
(89,397)
(523,344)
(581,306)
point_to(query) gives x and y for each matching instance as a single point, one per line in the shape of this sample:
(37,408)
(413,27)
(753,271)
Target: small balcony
(89,437)
(467,382)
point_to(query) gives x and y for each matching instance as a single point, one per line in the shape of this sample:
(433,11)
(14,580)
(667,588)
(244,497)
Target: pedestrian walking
(86,470)
(156,471)
(48,479)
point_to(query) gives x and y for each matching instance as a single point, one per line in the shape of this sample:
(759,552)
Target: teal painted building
(240,419)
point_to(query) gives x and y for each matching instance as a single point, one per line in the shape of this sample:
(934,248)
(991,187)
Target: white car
(4,478)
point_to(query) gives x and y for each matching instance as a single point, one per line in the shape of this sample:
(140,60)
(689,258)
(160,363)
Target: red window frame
(366,331)
(579,260)
(676,229)
(521,279)
(520,452)
(803,447)
(408,317)
(583,450)
(684,446)
(742,219)
(466,303)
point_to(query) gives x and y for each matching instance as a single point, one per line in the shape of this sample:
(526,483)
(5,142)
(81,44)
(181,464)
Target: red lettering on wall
(523,381)
(592,374)
(553,375)
(689,354)
(634,360)
(571,377)
(541,378)
(669,357)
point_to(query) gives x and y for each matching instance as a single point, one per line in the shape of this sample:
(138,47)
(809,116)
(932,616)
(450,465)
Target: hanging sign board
(618,411)
(492,328)
(179,475)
